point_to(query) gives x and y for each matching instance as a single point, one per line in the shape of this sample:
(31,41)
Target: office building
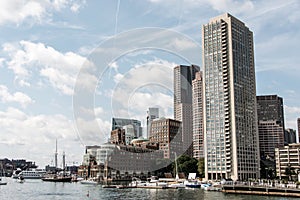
(120,122)
(198,145)
(152,113)
(167,133)
(183,110)
(287,157)
(290,136)
(230,118)
(270,124)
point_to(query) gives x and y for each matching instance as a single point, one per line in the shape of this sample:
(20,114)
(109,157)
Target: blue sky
(47,45)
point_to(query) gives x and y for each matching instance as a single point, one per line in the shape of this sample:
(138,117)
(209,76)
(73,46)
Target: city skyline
(43,48)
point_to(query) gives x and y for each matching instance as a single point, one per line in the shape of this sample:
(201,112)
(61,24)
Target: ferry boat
(32,174)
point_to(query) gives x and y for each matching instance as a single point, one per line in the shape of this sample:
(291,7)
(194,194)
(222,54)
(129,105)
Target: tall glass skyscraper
(230,125)
(183,106)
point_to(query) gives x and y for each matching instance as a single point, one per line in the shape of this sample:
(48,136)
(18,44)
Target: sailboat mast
(176,167)
(55,155)
(64,160)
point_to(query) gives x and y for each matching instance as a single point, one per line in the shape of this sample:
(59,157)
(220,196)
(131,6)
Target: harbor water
(37,189)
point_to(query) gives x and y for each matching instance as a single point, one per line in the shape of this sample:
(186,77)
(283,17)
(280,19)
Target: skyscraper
(198,135)
(230,124)
(183,111)
(152,113)
(270,124)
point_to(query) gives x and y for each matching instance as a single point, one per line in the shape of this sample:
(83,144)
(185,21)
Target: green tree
(289,171)
(201,167)
(186,165)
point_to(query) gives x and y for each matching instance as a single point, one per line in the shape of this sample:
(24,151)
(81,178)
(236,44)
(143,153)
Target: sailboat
(58,177)
(176,184)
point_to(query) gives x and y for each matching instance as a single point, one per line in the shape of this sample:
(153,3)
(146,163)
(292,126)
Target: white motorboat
(154,181)
(176,185)
(16,173)
(137,182)
(192,184)
(89,182)
(2,183)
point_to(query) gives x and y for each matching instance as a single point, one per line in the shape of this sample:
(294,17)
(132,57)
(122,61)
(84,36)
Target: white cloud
(118,77)
(182,44)
(18,97)
(145,85)
(16,11)
(37,133)
(60,69)
(114,66)
(95,131)
(291,114)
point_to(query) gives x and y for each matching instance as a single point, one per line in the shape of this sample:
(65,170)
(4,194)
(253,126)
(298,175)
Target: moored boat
(192,184)
(32,174)
(89,182)
(56,178)
(2,183)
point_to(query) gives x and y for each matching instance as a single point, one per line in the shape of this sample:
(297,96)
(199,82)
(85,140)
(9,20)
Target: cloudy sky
(68,66)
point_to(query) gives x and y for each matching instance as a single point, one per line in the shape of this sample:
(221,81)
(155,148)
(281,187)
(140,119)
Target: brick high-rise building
(167,133)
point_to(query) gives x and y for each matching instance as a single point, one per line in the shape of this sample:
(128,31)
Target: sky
(68,66)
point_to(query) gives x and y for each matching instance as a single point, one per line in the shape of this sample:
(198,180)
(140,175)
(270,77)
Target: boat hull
(59,179)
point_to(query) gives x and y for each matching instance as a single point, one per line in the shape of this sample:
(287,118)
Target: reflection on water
(39,190)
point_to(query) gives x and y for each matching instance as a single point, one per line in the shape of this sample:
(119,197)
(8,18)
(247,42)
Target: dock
(261,190)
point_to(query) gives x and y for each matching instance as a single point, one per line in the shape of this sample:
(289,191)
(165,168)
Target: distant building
(230,119)
(298,123)
(183,111)
(129,133)
(133,161)
(120,162)
(198,135)
(290,136)
(120,122)
(117,136)
(167,133)
(152,113)
(270,124)
(287,157)
(90,154)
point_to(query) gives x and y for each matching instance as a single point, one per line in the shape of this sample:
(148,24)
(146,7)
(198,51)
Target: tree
(289,171)
(186,165)
(201,167)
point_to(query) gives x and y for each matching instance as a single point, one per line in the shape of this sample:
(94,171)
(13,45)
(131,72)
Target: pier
(261,190)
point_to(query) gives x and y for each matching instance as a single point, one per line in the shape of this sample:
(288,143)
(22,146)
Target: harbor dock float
(261,190)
